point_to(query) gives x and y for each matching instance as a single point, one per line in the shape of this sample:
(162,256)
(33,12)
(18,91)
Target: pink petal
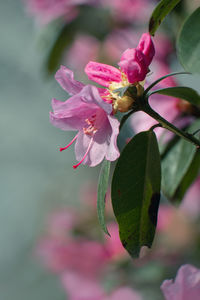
(186,285)
(80,288)
(102,73)
(71,114)
(133,64)
(125,293)
(113,151)
(91,94)
(97,151)
(146,46)
(65,78)
(191,202)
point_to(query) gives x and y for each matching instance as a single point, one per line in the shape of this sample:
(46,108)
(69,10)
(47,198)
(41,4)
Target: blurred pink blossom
(80,288)
(61,255)
(175,230)
(83,49)
(165,216)
(113,243)
(129,10)
(47,10)
(186,285)
(191,202)
(60,222)
(124,293)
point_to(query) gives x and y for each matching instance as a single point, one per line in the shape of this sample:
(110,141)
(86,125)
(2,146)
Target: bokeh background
(37,179)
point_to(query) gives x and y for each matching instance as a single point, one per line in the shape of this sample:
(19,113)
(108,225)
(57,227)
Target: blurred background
(48,216)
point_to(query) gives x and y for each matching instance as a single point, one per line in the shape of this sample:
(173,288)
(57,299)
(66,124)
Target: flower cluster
(90,110)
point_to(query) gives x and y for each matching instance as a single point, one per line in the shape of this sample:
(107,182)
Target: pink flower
(80,288)
(134,64)
(125,293)
(186,285)
(87,113)
(113,243)
(64,254)
(191,202)
(129,10)
(47,10)
(88,46)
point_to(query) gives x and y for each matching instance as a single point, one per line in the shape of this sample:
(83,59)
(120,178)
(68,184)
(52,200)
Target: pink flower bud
(133,64)
(146,46)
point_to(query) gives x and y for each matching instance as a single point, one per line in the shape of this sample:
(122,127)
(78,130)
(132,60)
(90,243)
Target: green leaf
(182,92)
(146,92)
(163,8)
(188,43)
(136,192)
(101,194)
(188,179)
(177,162)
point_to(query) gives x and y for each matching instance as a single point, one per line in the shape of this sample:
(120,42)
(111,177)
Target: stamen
(61,149)
(86,153)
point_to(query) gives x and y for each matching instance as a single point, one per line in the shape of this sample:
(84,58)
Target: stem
(165,124)
(160,79)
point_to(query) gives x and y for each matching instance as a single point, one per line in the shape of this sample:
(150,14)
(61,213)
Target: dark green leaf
(177,162)
(136,192)
(163,8)
(188,178)
(101,195)
(162,78)
(188,43)
(181,92)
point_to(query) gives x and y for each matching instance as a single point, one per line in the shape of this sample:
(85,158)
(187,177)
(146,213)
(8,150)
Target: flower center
(91,129)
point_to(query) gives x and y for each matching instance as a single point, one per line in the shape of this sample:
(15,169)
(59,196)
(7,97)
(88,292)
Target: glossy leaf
(163,8)
(101,194)
(136,192)
(177,162)
(181,92)
(188,179)
(188,43)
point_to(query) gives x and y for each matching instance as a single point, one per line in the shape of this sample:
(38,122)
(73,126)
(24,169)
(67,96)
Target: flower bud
(133,64)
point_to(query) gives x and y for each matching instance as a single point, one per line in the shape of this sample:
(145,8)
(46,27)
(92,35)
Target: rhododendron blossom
(87,113)
(134,66)
(186,285)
